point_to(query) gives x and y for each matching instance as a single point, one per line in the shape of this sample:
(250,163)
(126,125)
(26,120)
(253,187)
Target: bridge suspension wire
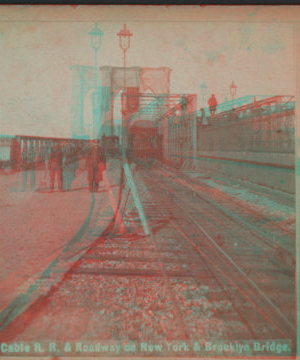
(135,195)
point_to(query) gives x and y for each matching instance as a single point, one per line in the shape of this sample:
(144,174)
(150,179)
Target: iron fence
(5,146)
(180,133)
(271,132)
(253,129)
(15,148)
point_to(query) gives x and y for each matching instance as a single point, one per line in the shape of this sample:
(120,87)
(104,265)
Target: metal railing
(180,133)
(248,102)
(268,127)
(15,148)
(5,146)
(265,132)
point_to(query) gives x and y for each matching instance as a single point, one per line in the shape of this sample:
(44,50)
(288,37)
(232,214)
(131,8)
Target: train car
(145,144)
(111,145)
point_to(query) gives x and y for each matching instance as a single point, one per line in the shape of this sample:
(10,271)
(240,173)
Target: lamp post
(232,88)
(124,42)
(124,37)
(96,35)
(203,88)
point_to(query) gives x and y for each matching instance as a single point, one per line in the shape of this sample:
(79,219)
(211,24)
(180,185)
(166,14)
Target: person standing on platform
(102,160)
(28,165)
(212,102)
(15,153)
(69,168)
(94,165)
(55,167)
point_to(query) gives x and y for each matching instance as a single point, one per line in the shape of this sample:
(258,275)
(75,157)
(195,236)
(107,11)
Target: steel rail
(233,263)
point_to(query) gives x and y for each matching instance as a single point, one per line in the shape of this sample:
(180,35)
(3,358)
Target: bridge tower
(111,80)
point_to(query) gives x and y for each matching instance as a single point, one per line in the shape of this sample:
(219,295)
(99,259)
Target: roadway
(210,269)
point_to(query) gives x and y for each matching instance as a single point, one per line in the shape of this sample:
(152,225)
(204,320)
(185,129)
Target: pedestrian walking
(55,167)
(212,102)
(28,165)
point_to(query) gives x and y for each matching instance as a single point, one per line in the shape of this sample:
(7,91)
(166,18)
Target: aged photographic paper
(148,181)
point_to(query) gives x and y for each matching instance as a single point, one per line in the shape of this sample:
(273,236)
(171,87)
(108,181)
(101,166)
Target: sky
(35,75)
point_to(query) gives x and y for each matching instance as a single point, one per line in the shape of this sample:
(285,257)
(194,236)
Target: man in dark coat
(212,102)
(28,165)
(70,167)
(15,153)
(55,166)
(95,164)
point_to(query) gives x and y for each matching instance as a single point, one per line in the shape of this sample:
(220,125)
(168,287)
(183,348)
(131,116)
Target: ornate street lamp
(203,88)
(96,35)
(124,42)
(232,88)
(124,37)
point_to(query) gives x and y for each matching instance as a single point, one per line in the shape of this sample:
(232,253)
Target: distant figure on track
(55,166)
(212,102)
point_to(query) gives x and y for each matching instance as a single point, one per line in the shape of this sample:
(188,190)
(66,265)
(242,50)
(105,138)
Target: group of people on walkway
(62,162)
(62,166)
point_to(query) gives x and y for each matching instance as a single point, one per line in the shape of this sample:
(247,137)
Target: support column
(297,181)
(81,101)
(77,123)
(165,140)
(97,118)
(194,137)
(112,100)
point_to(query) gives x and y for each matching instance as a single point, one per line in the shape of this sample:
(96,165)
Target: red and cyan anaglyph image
(147,179)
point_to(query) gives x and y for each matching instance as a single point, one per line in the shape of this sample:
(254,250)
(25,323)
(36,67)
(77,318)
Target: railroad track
(174,253)
(173,284)
(270,230)
(185,201)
